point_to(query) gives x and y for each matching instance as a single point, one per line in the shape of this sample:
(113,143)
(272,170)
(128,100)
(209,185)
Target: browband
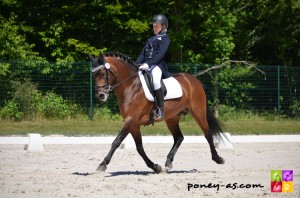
(106,65)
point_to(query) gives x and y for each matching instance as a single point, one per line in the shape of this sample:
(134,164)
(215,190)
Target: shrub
(54,106)
(27,97)
(231,113)
(28,102)
(104,113)
(11,110)
(295,108)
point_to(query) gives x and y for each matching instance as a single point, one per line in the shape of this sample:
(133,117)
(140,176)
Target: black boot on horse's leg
(173,126)
(170,157)
(214,155)
(160,103)
(116,143)
(136,134)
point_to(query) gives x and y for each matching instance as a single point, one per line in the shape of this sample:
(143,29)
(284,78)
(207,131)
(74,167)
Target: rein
(112,87)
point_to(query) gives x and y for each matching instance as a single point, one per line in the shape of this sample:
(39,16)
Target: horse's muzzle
(102,96)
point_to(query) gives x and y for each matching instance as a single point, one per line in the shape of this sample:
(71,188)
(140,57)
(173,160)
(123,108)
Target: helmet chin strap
(163,29)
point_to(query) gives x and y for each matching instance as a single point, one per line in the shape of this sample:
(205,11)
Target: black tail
(215,126)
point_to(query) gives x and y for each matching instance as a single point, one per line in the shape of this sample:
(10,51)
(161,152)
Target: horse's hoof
(101,168)
(219,160)
(157,168)
(168,167)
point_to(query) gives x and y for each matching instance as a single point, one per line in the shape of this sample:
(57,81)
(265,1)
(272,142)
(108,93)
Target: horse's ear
(91,57)
(101,59)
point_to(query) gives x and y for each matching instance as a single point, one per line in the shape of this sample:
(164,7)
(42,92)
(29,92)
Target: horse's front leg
(116,143)
(136,134)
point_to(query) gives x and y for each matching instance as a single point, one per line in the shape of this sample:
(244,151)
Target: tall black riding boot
(160,103)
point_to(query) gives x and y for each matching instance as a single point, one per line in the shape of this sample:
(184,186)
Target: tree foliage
(13,40)
(264,31)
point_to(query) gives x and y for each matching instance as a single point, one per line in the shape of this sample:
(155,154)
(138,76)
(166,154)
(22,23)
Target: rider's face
(157,27)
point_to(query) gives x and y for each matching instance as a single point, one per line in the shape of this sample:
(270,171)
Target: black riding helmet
(159,18)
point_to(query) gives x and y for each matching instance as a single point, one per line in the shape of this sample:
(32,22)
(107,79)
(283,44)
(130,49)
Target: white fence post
(35,142)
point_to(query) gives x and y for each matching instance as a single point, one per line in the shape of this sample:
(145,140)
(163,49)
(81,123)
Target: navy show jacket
(154,53)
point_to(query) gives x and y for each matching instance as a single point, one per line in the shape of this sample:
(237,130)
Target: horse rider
(152,58)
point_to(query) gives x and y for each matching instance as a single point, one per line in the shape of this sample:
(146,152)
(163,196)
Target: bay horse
(116,72)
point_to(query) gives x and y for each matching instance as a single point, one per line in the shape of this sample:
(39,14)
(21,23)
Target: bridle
(108,88)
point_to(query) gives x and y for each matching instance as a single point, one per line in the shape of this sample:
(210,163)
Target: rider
(152,58)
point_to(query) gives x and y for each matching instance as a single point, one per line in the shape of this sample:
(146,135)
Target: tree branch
(245,6)
(228,63)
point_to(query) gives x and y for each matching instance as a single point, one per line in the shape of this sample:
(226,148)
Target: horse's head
(101,73)
(112,70)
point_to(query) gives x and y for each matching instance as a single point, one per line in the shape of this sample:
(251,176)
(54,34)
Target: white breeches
(156,75)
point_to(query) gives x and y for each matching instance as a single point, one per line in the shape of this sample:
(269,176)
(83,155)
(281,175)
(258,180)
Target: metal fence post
(278,92)
(91,94)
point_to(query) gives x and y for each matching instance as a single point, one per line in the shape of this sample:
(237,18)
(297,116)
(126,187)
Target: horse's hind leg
(214,155)
(173,125)
(136,134)
(200,117)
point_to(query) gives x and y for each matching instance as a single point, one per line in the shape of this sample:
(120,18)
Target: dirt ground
(69,171)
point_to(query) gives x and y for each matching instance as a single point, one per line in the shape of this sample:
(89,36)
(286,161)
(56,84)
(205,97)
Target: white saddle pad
(172,85)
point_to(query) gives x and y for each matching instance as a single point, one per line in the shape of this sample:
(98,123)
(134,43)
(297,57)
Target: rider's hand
(144,66)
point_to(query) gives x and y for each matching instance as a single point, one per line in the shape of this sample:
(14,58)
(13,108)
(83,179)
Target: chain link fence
(276,92)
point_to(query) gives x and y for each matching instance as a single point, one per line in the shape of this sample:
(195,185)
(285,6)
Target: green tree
(14,44)
(268,32)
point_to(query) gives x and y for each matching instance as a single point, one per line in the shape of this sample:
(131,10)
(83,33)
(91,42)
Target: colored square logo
(276,187)
(287,186)
(276,175)
(287,175)
(282,181)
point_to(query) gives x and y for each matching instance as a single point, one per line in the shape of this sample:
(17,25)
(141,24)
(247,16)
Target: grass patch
(100,127)
(255,127)
(70,127)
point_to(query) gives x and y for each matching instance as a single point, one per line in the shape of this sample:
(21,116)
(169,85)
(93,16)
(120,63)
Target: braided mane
(120,55)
